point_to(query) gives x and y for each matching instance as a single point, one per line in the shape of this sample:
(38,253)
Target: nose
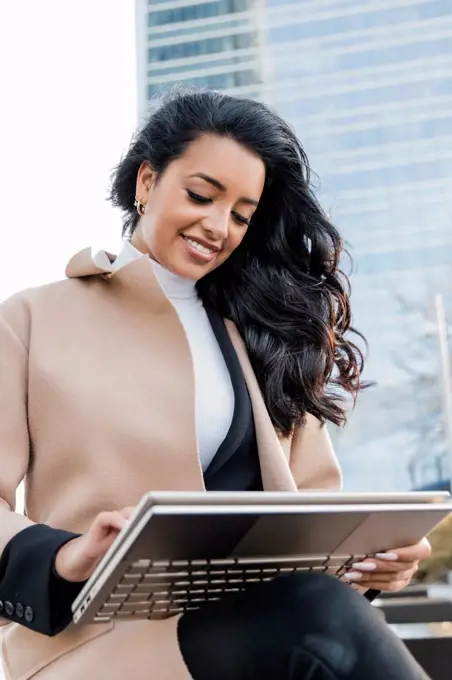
(217,224)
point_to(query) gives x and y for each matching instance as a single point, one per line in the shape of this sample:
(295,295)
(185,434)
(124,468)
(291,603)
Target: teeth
(198,246)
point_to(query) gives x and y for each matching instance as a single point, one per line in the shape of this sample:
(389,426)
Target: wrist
(62,563)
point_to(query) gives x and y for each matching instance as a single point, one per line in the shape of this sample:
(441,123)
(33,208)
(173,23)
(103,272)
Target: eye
(240,219)
(197,198)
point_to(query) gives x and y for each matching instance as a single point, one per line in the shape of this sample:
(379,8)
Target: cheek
(155,232)
(168,220)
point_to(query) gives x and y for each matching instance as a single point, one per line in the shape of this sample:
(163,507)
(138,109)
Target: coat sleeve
(313,462)
(29,589)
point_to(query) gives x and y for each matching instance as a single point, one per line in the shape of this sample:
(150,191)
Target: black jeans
(303,627)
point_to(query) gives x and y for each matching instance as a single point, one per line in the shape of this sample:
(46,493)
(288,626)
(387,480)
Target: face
(198,211)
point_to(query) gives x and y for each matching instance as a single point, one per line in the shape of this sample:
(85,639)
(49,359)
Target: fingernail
(389,557)
(364,566)
(353,576)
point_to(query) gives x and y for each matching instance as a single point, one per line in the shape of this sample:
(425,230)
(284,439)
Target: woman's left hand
(392,570)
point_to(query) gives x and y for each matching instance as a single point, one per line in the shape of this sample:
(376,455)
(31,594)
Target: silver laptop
(183,549)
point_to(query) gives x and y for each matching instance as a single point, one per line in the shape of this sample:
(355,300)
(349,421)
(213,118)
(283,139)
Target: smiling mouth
(199,246)
(198,250)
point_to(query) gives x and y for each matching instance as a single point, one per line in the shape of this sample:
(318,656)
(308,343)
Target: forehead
(232,164)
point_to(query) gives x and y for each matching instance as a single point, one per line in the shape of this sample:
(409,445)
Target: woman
(125,378)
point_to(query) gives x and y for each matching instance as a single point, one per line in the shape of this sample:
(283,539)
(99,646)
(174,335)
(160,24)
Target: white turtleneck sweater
(214,394)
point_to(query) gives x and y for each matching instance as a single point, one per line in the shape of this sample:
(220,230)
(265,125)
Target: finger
(110,520)
(370,580)
(128,512)
(412,553)
(373,566)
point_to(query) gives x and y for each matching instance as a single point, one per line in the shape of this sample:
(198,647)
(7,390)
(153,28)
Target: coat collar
(86,263)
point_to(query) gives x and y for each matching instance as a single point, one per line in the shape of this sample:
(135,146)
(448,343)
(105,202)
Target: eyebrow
(218,185)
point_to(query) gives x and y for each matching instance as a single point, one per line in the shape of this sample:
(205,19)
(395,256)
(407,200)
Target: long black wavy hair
(282,287)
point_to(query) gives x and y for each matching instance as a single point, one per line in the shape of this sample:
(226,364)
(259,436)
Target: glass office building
(368,87)
(213,43)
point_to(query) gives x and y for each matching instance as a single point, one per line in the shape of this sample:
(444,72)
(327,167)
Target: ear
(145,181)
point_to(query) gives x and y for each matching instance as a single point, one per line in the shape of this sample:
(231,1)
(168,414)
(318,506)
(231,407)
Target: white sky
(67,112)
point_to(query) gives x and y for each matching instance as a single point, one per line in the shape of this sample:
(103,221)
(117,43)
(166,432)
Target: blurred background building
(215,44)
(368,87)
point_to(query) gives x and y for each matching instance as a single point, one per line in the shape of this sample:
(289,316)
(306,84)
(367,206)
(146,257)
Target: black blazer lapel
(242,408)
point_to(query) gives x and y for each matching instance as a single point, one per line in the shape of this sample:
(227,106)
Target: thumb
(107,521)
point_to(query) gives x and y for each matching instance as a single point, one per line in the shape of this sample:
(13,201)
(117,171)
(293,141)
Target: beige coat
(97,408)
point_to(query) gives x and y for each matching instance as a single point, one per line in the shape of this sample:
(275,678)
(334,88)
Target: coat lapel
(273,452)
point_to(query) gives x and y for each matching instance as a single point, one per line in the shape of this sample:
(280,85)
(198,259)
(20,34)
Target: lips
(199,246)
(199,250)
(200,242)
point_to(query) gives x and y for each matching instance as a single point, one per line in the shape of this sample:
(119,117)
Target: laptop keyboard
(158,589)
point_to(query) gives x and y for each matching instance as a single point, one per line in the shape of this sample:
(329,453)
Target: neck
(173,285)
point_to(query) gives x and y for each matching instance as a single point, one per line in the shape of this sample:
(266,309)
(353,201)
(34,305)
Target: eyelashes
(240,219)
(204,200)
(197,198)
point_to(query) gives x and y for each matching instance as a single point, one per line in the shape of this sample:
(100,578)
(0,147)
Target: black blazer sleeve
(31,593)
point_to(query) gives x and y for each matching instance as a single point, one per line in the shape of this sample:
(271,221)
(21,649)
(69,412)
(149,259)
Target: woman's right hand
(78,558)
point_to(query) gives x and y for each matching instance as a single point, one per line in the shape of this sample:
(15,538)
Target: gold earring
(140,207)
